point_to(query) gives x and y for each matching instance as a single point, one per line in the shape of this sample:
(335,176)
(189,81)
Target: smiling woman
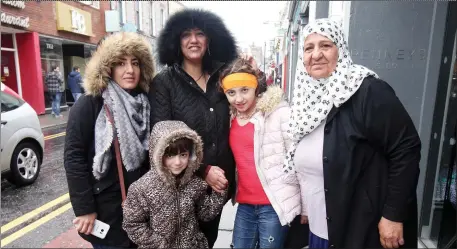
(114,111)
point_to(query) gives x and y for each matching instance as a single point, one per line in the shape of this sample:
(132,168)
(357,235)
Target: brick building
(36,35)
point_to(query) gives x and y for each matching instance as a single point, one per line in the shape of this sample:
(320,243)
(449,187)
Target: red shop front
(21,65)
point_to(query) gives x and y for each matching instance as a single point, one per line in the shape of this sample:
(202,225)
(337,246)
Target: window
(137,13)
(9,102)
(151,18)
(122,14)
(162,19)
(94,4)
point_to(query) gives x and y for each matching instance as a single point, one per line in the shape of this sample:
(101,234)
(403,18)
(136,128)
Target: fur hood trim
(270,99)
(164,133)
(222,45)
(109,52)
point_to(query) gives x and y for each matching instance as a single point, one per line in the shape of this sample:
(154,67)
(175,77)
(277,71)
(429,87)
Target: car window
(9,102)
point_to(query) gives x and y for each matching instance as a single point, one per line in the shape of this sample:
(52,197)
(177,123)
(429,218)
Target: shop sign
(74,20)
(15,20)
(16,4)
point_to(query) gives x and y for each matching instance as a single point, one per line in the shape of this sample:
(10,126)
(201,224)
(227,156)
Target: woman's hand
(216,179)
(85,223)
(390,233)
(304,219)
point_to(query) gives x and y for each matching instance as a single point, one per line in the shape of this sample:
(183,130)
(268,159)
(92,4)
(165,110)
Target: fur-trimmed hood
(109,52)
(165,132)
(222,45)
(271,99)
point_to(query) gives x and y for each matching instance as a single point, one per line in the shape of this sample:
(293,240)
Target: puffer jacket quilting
(161,211)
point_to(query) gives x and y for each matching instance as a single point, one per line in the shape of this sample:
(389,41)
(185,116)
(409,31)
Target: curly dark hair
(222,46)
(241,65)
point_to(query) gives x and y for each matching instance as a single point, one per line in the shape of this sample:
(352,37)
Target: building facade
(37,35)
(412,46)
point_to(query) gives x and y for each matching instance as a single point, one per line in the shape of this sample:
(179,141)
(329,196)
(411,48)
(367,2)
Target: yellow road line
(34,225)
(55,135)
(34,213)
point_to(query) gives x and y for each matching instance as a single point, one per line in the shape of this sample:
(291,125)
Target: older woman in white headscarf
(355,148)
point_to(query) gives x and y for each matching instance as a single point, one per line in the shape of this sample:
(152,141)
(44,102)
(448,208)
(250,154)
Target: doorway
(438,216)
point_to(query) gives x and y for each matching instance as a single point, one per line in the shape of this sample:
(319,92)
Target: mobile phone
(100,229)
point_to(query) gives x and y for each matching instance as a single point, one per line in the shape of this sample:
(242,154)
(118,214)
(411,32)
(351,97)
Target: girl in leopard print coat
(162,207)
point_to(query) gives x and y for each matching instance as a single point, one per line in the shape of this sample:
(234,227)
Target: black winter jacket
(88,195)
(176,96)
(371,166)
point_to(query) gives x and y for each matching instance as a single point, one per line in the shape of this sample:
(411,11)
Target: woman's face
(193,44)
(320,56)
(127,72)
(242,98)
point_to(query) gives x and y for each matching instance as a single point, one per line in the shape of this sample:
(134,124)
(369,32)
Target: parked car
(22,141)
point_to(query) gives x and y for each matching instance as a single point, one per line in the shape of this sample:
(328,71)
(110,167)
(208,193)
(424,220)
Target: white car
(22,141)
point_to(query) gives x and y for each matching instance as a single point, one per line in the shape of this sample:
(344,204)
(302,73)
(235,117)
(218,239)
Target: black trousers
(298,234)
(211,229)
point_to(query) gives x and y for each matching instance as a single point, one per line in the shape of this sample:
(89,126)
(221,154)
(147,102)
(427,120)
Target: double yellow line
(32,214)
(55,135)
(28,216)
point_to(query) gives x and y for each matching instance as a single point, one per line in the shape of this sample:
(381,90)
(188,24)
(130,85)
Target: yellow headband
(239,79)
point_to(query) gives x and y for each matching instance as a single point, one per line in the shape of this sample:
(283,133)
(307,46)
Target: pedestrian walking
(268,198)
(107,136)
(355,149)
(196,46)
(163,207)
(74,82)
(55,86)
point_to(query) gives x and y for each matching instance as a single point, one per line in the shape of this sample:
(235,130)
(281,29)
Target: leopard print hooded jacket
(161,211)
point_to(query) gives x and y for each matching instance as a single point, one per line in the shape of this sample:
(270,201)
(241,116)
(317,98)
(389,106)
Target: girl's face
(176,163)
(242,98)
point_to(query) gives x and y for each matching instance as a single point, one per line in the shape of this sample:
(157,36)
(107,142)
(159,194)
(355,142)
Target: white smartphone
(100,229)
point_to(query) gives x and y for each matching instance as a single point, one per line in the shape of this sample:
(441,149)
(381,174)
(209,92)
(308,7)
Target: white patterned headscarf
(314,98)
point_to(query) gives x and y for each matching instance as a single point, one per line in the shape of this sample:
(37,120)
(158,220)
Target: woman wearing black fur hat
(195,45)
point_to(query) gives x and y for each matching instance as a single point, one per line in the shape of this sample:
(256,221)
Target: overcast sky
(237,13)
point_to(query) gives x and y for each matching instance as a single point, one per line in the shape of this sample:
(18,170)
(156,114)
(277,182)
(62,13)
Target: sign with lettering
(16,4)
(15,20)
(73,20)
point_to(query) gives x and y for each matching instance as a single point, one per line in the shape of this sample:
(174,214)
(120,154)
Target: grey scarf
(131,118)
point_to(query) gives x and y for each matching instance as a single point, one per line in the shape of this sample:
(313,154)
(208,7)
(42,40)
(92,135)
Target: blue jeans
(56,103)
(76,96)
(258,226)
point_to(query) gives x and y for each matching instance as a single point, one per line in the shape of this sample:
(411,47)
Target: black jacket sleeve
(160,98)
(78,140)
(390,128)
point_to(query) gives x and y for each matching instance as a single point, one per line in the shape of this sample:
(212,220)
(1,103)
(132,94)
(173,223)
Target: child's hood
(271,99)
(164,133)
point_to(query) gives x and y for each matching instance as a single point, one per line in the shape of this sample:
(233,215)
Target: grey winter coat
(161,210)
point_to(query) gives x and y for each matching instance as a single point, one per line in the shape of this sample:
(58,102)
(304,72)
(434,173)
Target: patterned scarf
(131,118)
(314,98)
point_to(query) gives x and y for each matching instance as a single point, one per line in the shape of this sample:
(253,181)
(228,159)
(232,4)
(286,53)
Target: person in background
(355,149)
(74,83)
(116,82)
(55,86)
(163,207)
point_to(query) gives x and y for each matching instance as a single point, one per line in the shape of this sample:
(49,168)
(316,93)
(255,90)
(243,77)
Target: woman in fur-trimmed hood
(195,45)
(163,206)
(116,84)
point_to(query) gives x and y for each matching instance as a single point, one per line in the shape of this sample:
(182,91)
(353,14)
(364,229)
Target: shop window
(51,55)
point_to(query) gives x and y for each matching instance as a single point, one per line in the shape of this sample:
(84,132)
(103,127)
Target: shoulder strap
(118,155)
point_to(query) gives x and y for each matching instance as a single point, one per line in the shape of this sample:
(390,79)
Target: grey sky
(245,19)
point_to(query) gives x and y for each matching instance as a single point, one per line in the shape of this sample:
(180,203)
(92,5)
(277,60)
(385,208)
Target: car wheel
(25,164)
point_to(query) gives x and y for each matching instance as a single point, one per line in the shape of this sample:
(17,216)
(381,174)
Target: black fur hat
(222,47)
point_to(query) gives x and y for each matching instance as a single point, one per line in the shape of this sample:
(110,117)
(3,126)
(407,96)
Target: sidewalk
(48,120)
(71,239)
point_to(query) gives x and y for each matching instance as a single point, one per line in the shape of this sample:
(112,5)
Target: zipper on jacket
(179,216)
